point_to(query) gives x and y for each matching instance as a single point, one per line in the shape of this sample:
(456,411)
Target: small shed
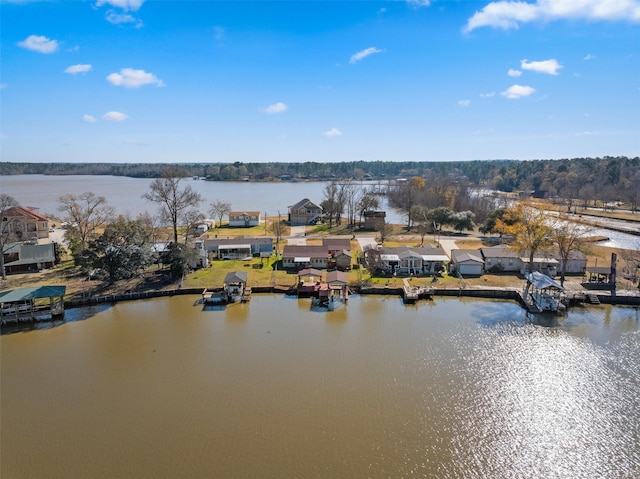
(343,259)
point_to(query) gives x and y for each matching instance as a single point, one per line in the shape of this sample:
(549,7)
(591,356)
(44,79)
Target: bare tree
(192,218)
(174,199)
(219,209)
(278,229)
(569,236)
(85,213)
(6,227)
(368,202)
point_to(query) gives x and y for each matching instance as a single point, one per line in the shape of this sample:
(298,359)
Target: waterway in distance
(124,194)
(447,388)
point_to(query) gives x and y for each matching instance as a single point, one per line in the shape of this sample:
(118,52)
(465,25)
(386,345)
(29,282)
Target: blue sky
(213,81)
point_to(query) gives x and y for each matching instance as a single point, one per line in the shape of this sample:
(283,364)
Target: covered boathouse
(40,303)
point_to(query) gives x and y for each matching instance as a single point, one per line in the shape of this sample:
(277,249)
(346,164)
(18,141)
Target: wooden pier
(411,294)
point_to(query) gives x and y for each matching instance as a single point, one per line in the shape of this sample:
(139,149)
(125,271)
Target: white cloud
(115,116)
(518,91)
(419,3)
(79,68)
(464,103)
(333,132)
(550,67)
(118,18)
(90,118)
(511,14)
(356,57)
(276,108)
(40,44)
(126,5)
(491,94)
(514,73)
(130,78)
(589,56)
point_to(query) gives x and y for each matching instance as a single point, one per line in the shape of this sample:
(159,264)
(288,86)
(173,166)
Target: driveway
(297,235)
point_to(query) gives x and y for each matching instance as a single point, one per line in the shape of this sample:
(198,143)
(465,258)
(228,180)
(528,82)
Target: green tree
(441,216)
(489,225)
(463,220)
(121,250)
(178,258)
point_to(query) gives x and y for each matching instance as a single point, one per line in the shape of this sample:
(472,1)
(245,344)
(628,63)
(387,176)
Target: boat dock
(411,294)
(41,303)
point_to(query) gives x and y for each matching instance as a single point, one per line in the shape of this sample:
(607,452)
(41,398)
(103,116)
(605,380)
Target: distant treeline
(604,178)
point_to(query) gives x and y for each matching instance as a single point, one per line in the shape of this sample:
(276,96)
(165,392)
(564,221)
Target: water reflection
(446,388)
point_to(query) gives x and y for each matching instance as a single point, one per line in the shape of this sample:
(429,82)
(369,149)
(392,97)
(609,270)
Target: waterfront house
(406,260)
(305,256)
(576,262)
(543,262)
(304,212)
(25,223)
(501,259)
(26,258)
(467,262)
(244,219)
(239,247)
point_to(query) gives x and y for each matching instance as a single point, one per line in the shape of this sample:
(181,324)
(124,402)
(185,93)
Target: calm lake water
(124,193)
(447,388)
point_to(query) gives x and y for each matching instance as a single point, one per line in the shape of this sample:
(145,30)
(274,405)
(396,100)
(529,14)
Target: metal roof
(25,294)
(236,277)
(542,281)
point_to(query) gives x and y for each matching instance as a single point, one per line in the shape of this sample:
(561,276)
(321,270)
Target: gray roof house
(239,247)
(501,258)
(21,258)
(304,212)
(467,262)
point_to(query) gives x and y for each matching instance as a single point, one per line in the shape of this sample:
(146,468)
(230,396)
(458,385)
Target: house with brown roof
(25,223)
(336,244)
(374,220)
(244,219)
(305,256)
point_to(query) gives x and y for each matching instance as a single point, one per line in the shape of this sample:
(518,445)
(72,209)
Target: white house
(501,259)
(417,261)
(244,219)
